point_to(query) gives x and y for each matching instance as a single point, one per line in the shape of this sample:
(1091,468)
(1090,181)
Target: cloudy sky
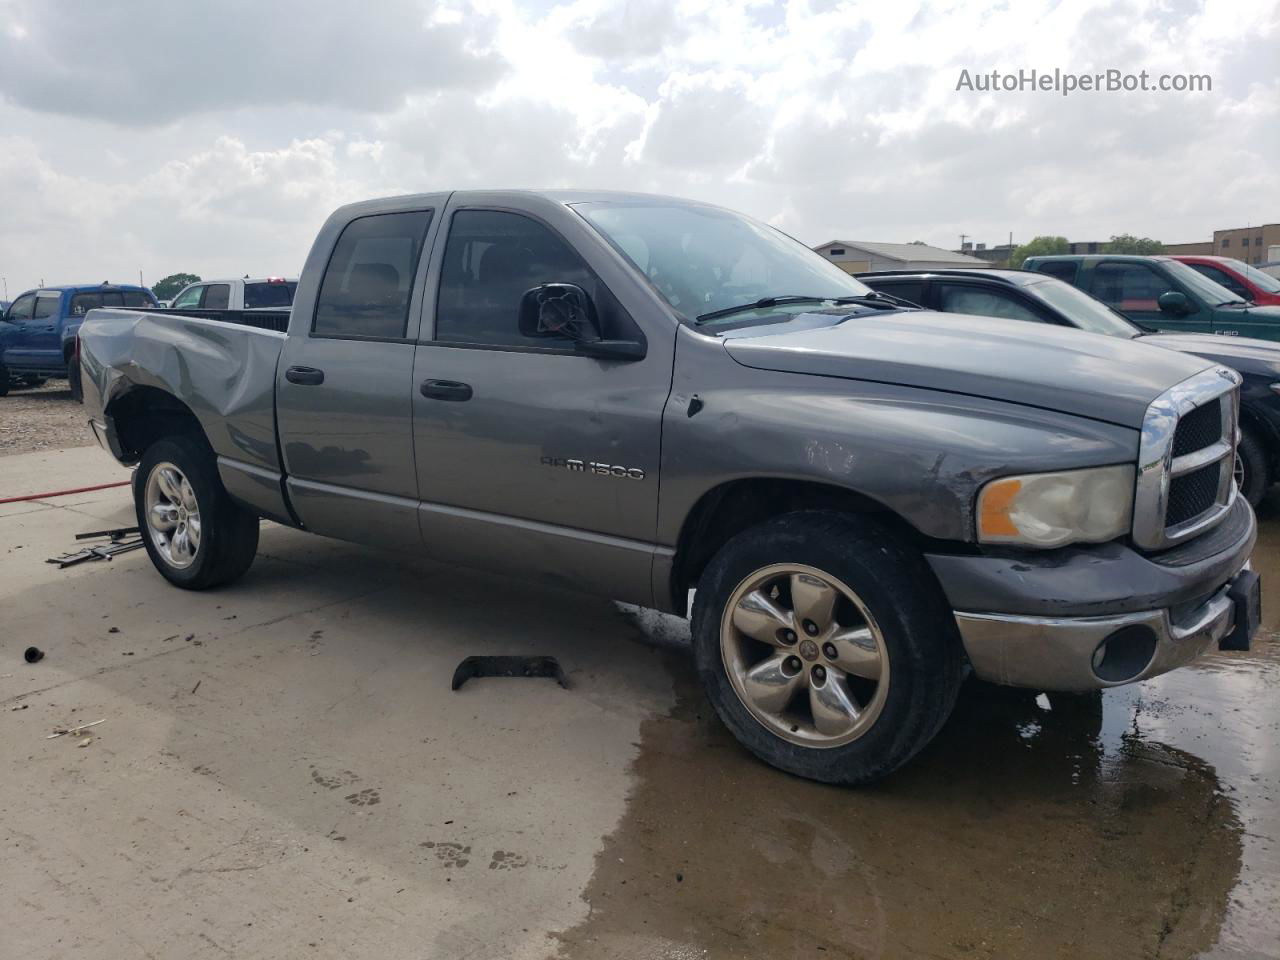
(214,137)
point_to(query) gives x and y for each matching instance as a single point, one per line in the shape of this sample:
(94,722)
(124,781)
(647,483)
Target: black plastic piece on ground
(509,667)
(33,655)
(117,534)
(1246,594)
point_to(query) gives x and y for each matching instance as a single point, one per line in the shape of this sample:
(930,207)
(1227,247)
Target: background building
(1202,249)
(1246,243)
(858,256)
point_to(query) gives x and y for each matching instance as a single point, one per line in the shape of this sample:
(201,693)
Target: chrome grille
(1187,452)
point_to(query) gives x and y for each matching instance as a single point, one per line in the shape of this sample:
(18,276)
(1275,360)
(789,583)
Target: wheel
(196,536)
(4,380)
(73,378)
(826,646)
(1253,472)
(34,381)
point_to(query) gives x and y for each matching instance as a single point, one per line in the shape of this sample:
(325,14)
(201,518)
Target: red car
(1238,277)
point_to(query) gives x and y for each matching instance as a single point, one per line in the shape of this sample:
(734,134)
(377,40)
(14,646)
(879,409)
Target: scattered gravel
(42,418)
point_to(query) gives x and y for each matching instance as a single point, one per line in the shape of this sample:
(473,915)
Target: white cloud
(219,140)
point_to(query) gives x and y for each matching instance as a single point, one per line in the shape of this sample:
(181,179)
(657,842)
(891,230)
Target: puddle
(1142,822)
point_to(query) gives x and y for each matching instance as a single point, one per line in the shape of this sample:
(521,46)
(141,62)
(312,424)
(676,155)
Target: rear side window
(217,296)
(82,303)
(369,280)
(269,294)
(491,259)
(1062,269)
(47,306)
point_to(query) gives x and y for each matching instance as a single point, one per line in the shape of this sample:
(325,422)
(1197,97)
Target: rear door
(1134,288)
(37,344)
(344,381)
(532,458)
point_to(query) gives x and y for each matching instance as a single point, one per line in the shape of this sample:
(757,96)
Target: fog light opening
(1124,654)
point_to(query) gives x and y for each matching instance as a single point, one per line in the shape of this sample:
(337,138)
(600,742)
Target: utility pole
(140,283)
(963,238)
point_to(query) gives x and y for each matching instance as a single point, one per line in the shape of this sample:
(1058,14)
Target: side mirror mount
(1174,302)
(565,310)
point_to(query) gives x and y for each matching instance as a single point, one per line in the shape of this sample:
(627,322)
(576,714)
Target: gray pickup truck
(647,398)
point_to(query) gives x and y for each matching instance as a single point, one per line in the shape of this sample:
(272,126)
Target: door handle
(445,390)
(304,376)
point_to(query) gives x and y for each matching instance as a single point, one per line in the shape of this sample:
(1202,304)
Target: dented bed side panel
(225,373)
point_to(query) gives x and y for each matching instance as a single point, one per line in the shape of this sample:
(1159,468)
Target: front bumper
(1053,611)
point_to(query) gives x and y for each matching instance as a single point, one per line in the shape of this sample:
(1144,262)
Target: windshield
(1263,281)
(1213,293)
(702,259)
(1081,309)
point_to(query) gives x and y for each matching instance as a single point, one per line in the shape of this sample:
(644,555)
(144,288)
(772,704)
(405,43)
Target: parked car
(1161,293)
(263,293)
(1245,281)
(868,499)
(38,332)
(1035,297)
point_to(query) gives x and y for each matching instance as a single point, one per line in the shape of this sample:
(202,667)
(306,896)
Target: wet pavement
(1142,822)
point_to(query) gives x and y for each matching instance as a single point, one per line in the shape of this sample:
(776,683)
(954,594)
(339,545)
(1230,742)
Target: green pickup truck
(1160,293)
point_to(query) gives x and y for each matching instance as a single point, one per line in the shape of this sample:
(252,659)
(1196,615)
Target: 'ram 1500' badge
(591,466)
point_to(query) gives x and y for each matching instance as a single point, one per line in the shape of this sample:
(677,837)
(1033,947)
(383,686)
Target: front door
(35,344)
(533,459)
(1134,288)
(344,383)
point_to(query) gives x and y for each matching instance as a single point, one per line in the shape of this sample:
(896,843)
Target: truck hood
(1056,368)
(1245,354)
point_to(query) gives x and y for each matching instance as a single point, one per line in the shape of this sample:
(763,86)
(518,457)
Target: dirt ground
(41,418)
(283,772)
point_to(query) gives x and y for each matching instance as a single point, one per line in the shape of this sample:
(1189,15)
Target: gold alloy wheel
(804,655)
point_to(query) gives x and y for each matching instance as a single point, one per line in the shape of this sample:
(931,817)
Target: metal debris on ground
(74,731)
(509,667)
(117,544)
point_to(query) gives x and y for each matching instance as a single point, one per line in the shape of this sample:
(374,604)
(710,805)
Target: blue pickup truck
(38,330)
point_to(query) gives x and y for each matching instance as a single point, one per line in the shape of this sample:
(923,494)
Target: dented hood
(1055,368)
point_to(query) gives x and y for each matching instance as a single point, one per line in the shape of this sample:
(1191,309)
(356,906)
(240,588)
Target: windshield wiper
(758,305)
(881,301)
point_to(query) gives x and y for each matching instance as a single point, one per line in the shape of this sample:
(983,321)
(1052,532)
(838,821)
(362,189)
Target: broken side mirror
(1172,301)
(566,310)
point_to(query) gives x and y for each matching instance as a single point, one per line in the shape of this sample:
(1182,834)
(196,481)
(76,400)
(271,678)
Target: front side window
(1218,275)
(703,259)
(368,283)
(910,290)
(1129,287)
(189,297)
(491,258)
(22,308)
(217,296)
(1212,293)
(47,306)
(962,298)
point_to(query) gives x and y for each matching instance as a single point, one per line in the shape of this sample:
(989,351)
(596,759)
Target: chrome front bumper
(1065,653)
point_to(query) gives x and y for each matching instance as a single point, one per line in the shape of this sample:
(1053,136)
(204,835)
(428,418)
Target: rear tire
(196,535)
(1253,467)
(4,380)
(840,687)
(73,378)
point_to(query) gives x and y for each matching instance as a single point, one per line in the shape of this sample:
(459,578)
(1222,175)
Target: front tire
(1253,470)
(196,536)
(826,646)
(4,380)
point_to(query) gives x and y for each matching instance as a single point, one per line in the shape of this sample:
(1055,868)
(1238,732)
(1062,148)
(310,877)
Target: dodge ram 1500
(648,398)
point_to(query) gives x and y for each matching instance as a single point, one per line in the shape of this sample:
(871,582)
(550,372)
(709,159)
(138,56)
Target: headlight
(1052,509)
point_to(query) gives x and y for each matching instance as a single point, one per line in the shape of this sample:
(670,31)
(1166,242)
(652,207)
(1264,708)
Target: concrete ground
(284,772)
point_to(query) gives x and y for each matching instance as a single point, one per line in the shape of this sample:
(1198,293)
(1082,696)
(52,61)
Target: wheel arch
(736,505)
(1266,430)
(140,416)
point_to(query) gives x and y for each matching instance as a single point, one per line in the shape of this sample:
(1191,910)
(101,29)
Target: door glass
(22,307)
(1221,276)
(82,303)
(490,260)
(217,296)
(368,283)
(136,300)
(960,298)
(1062,269)
(47,306)
(909,290)
(189,297)
(1129,287)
